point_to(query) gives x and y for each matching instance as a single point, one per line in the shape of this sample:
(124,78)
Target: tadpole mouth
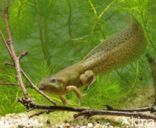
(41,86)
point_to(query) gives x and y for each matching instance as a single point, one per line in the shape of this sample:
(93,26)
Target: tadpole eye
(53,80)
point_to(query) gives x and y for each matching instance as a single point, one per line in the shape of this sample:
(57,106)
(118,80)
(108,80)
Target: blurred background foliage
(58,33)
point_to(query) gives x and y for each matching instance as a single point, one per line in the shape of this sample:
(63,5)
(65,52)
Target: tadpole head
(52,85)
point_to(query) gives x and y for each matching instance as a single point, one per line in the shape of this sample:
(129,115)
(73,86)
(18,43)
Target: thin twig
(16,59)
(50,108)
(30,105)
(33,85)
(5,42)
(11,50)
(36,88)
(22,54)
(145,109)
(90,113)
(87,112)
(39,113)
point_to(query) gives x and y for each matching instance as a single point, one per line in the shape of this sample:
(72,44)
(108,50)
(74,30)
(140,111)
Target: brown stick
(33,85)
(87,112)
(5,42)
(30,105)
(145,109)
(39,113)
(22,54)
(36,88)
(11,50)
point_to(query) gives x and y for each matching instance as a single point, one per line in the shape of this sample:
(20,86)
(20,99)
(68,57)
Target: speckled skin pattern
(116,51)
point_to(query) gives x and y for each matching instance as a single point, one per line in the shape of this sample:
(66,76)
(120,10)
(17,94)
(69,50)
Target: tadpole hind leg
(64,101)
(92,82)
(88,78)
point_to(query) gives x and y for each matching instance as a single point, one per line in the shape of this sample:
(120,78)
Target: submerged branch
(145,109)
(89,113)
(16,58)
(33,85)
(86,112)
(36,88)
(9,45)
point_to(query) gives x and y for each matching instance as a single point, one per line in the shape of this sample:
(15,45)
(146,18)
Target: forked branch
(9,45)
(87,112)
(16,58)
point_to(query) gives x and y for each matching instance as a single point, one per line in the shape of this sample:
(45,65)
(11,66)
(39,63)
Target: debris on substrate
(19,121)
(65,120)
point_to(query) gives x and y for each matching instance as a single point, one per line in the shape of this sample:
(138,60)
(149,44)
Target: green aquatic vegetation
(57,34)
